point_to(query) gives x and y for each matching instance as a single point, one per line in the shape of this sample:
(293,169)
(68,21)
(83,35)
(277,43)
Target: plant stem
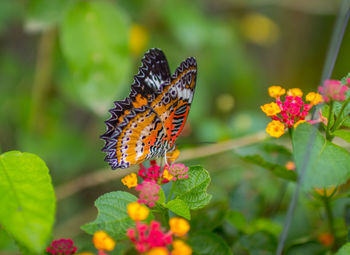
(173,185)
(329,216)
(336,123)
(165,217)
(290,131)
(330,114)
(42,79)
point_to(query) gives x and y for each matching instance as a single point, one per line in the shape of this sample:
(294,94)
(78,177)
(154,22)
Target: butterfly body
(146,124)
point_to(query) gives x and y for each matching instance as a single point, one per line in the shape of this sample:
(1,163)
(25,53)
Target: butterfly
(147,123)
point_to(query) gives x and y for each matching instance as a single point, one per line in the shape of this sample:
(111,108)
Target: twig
(106,175)
(42,77)
(89,180)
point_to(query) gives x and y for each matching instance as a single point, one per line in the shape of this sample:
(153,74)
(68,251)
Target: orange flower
(296,92)
(179,226)
(275,128)
(130,180)
(276,91)
(158,251)
(181,248)
(299,122)
(314,98)
(270,109)
(326,192)
(326,238)
(290,165)
(137,211)
(103,241)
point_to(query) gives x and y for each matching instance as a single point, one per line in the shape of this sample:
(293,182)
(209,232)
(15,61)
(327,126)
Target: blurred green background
(64,62)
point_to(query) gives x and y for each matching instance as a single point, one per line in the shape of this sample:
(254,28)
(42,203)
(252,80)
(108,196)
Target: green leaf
(29,199)
(326,163)
(276,169)
(208,243)
(194,189)
(343,134)
(112,214)
(161,199)
(42,14)
(94,40)
(344,250)
(236,219)
(273,148)
(179,207)
(346,122)
(257,243)
(267,225)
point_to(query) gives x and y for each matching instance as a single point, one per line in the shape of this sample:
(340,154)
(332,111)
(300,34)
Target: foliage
(64,62)
(28,197)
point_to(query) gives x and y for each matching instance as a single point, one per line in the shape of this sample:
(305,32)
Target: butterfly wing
(138,138)
(146,124)
(174,101)
(153,74)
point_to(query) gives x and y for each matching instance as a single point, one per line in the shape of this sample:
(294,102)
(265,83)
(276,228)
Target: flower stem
(336,123)
(173,185)
(329,215)
(165,217)
(290,131)
(330,114)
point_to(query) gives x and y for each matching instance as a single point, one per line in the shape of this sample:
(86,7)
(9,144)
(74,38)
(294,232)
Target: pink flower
(152,173)
(178,171)
(333,90)
(61,246)
(147,237)
(293,109)
(149,192)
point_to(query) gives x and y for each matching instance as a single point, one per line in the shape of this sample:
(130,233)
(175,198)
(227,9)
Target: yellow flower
(166,175)
(137,211)
(259,29)
(158,251)
(181,248)
(270,109)
(103,241)
(275,128)
(179,226)
(314,98)
(130,180)
(276,91)
(173,155)
(138,39)
(326,192)
(296,92)
(298,123)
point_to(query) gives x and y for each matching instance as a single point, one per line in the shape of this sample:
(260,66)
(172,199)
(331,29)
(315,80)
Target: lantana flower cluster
(152,238)
(290,111)
(61,246)
(334,90)
(153,177)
